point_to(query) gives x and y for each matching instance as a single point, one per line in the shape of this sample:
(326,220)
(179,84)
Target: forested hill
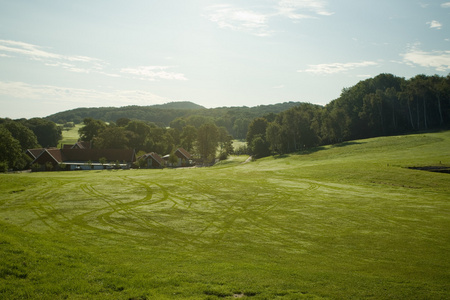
(165,113)
(160,113)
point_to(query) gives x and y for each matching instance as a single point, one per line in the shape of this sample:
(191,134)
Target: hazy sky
(57,55)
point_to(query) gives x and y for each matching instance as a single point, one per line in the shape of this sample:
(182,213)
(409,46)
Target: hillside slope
(349,221)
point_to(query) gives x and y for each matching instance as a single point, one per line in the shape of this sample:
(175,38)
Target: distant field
(342,222)
(71,136)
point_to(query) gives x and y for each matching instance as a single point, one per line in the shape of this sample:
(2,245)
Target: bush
(48,166)
(36,167)
(223,155)
(3,167)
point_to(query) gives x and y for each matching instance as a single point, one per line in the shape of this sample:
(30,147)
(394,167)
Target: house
(81,159)
(79,145)
(151,160)
(184,158)
(34,153)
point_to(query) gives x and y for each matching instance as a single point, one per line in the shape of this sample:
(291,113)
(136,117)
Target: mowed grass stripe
(343,222)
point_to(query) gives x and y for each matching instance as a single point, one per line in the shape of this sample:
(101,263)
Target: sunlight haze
(60,55)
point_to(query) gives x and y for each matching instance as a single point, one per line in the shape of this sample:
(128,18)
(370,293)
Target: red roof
(111,155)
(183,153)
(82,155)
(34,152)
(154,156)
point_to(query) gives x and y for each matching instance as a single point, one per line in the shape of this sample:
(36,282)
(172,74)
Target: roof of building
(183,152)
(34,152)
(154,156)
(83,155)
(120,155)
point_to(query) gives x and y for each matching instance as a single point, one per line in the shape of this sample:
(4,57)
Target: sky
(57,55)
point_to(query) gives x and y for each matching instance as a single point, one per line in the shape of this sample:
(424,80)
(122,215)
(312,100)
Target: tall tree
(273,137)
(257,127)
(91,129)
(112,138)
(10,151)
(23,134)
(188,137)
(48,134)
(207,141)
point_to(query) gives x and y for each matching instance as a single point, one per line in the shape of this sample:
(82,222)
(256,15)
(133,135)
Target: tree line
(16,136)
(234,119)
(379,106)
(198,136)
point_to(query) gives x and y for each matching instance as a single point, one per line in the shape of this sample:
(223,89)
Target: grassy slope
(338,222)
(71,136)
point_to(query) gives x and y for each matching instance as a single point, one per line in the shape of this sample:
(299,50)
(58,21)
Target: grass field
(341,222)
(71,136)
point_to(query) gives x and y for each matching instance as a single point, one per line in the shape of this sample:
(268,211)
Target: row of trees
(383,105)
(16,136)
(202,138)
(234,119)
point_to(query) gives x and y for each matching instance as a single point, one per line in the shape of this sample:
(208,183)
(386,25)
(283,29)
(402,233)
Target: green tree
(259,146)
(48,134)
(122,122)
(188,137)
(240,128)
(178,123)
(10,150)
(141,132)
(91,129)
(225,141)
(23,134)
(173,159)
(103,161)
(207,141)
(273,137)
(257,127)
(112,138)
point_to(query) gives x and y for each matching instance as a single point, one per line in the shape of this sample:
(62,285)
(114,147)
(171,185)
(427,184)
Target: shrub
(36,167)
(3,167)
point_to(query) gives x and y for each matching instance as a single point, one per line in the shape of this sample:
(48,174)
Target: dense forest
(234,119)
(383,105)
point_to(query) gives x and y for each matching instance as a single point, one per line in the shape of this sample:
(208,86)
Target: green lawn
(71,135)
(341,222)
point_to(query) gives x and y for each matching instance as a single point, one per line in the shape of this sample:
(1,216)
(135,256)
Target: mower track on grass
(45,210)
(137,219)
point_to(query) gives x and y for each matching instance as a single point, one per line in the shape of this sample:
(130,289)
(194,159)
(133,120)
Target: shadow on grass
(311,150)
(319,148)
(278,156)
(344,144)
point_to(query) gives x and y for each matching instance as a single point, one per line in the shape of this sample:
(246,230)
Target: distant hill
(179,105)
(165,113)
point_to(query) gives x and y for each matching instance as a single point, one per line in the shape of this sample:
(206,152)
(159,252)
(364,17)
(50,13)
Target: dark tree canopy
(383,105)
(22,134)
(47,132)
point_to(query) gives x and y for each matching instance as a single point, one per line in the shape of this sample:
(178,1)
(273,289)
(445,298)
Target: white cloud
(63,96)
(153,73)
(256,21)
(73,63)
(239,19)
(292,8)
(334,68)
(445,5)
(438,60)
(435,24)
